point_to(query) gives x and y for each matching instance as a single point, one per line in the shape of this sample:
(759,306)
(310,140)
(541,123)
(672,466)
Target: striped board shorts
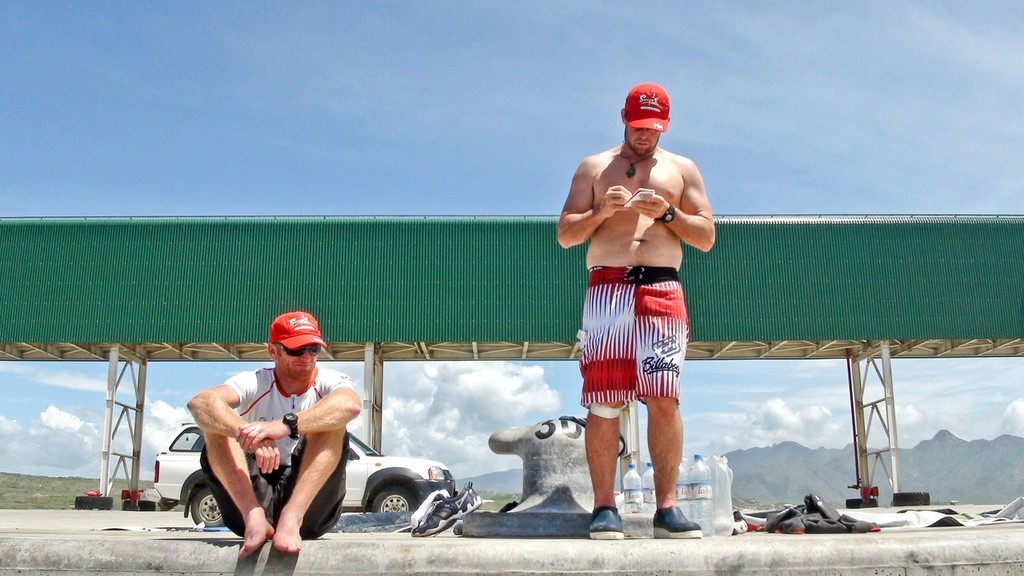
(634,335)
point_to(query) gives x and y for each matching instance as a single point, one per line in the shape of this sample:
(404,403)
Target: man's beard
(632,148)
(640,152)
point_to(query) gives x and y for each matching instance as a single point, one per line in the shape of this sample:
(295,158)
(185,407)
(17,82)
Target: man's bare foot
(257,531)
(286,538)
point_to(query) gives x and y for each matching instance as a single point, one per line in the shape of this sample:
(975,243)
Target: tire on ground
(394,499)
(204,508)
(94,503)
(911,499)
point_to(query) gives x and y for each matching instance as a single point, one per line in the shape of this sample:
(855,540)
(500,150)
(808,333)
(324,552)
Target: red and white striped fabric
(633,339)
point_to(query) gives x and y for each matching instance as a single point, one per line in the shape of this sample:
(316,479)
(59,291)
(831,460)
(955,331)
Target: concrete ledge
(75,543)
(981,551)
(546,525)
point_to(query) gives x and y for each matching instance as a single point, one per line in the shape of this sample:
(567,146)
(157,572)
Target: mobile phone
(641,194)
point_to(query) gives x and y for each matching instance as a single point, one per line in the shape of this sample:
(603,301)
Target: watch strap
(669,215)
(292,422)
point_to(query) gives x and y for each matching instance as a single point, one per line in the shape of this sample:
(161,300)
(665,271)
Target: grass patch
(24,492)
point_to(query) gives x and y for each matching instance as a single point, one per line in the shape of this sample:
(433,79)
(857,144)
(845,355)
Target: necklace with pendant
(631,171)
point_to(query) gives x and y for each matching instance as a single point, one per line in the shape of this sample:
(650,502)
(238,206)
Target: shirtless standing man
(635,327)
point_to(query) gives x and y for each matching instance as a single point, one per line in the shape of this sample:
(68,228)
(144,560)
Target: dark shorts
(274,489)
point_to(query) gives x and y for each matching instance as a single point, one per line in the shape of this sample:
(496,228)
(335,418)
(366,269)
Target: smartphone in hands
(641,194)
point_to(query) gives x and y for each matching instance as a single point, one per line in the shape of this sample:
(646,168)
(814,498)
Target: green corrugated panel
(497,279)
(871,279)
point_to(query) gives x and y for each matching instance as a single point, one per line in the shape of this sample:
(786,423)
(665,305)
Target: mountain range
(948,468)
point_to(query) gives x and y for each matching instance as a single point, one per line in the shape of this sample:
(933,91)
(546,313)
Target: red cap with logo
(647,107)
(295,330)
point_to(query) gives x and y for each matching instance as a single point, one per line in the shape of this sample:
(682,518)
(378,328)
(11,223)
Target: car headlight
(435,473)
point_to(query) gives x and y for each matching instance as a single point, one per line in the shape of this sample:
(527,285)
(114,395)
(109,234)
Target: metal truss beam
(127,369)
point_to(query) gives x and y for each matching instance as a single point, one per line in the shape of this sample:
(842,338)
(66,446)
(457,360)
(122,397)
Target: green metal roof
(498,287)
(861,278)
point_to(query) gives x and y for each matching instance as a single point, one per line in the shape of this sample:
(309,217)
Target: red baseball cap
(295,330)
(647,107)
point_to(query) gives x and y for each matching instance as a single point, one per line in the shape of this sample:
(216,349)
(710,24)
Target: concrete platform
(78,542)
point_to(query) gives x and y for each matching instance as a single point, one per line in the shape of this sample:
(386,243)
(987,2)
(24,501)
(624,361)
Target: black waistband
(642,275)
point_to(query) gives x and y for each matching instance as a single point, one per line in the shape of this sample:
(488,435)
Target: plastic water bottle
(647,481)
(721,483)
(703,495)
(683,489)
(632,491)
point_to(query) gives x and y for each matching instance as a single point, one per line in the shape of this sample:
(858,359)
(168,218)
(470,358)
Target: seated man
(276,443)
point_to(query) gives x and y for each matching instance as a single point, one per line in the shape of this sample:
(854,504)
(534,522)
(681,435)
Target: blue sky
(486,108)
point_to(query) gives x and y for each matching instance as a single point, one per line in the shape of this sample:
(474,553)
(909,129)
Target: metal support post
(140,405)
(629,429)
(132,415)
(373,395)
(890,410)
(108,420)
(865,414)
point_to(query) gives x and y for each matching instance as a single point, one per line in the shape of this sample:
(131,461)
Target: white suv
(373,482)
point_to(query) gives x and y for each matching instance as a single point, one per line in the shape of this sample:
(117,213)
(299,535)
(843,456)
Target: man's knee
(328,448)
(222,450)
(662,405)
(330,441)
(663,412)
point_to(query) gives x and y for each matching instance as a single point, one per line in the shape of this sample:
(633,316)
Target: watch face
(292,421)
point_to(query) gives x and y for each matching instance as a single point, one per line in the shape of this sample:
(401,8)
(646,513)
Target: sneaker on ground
(670,523)
(428,503)
(443,513)
(605,524)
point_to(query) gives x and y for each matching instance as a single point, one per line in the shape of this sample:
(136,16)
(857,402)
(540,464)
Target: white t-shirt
(262,400)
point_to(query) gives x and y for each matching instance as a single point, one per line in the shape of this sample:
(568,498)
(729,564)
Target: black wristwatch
(669,214)
(292,422)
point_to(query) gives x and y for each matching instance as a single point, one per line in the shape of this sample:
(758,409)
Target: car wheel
(393,499)
(204,508)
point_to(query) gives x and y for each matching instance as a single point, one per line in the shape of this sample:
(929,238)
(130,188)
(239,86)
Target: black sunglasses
(313,349)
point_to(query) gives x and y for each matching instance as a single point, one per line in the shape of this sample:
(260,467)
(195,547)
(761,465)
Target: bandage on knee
(604,411)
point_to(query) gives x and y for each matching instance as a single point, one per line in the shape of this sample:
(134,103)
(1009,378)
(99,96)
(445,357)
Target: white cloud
(963,396)
(982,51)
(777,422)
(448,410)
(67,379)
(742,404)
(160,422)
(54,419)
(69,443)
(763,423)
(908,416)
(9,427)
(1013,418)
(57,444)
(15,367)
